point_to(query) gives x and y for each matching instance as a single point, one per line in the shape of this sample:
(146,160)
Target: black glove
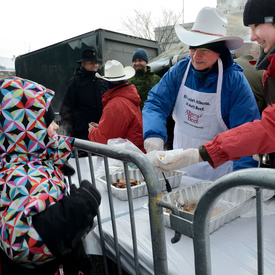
(67,169)
(91,195)
(65,223)
(73,189)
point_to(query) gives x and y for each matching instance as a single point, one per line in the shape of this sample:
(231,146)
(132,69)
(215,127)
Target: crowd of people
(224,120)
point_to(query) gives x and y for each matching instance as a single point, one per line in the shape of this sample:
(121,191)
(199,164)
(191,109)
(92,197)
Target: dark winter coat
(82,103)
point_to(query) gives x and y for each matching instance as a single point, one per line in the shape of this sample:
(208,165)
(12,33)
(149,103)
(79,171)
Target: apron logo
(193,117)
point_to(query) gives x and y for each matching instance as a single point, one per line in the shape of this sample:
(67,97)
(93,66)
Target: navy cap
(141,54)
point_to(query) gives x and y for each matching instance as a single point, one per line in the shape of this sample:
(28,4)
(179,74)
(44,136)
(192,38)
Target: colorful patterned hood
(22,124)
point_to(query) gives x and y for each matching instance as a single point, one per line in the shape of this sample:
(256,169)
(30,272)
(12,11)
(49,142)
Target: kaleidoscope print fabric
(30,161)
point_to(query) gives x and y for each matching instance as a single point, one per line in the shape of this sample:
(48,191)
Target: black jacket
(82,103)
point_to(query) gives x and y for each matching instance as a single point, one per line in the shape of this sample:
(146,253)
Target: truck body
(54,65)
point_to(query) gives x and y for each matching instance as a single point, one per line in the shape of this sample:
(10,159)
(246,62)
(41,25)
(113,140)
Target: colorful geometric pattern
(30,160)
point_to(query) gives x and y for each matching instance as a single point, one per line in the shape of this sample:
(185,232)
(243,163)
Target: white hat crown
(114,69)
(211,21)
(210,27)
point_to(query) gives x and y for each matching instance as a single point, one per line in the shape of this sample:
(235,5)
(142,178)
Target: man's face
(139,64)
(264,34)
(90,66)
(202,58)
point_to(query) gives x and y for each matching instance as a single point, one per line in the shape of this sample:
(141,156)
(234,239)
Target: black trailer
(52,66)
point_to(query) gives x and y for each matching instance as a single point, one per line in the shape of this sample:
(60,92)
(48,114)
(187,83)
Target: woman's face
(52,129)
(264,35)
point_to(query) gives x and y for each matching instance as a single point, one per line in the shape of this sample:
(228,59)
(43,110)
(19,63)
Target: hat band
(113,77)
(208,33)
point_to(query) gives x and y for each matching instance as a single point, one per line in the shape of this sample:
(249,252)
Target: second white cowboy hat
(210,26)
(114,71)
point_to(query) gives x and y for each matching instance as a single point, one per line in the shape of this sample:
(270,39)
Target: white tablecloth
(233,246)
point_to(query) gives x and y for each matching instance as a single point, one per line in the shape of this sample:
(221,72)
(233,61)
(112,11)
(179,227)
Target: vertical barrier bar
(113,219)
(132,219)
(103,248)
(259,215)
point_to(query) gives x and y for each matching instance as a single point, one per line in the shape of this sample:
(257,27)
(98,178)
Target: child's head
(25,115)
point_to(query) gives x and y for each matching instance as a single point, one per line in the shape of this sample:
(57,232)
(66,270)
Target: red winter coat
(251,138)
(121,116)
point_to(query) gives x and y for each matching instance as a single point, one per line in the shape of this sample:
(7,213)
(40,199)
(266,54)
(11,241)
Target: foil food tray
(174,178)
(232,204)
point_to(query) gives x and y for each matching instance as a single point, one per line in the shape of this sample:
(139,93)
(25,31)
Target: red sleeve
(257,137)
(113,123)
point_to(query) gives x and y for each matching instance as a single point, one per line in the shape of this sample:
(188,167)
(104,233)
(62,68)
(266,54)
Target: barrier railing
(154,191)
(259,178)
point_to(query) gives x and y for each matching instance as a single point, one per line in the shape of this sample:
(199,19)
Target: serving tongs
(167,183)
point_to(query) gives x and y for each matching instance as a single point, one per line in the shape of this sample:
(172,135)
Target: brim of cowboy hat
(196,39)
(129,73)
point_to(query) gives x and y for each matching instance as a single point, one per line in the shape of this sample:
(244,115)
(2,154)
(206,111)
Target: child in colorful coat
(41,224)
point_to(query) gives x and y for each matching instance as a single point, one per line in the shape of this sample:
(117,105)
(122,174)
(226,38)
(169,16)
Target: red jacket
(257,137)
(251,138)
(121,116)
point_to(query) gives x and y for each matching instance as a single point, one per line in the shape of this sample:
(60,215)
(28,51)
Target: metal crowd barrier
(198,228)
(154,189)
(259,178)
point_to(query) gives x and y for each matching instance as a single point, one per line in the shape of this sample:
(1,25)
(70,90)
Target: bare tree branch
(143,25)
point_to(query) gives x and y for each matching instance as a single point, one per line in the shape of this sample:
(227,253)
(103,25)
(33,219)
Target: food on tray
(190,208)
(121,183)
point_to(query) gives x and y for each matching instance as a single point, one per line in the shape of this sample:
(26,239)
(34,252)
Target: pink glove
(179,160)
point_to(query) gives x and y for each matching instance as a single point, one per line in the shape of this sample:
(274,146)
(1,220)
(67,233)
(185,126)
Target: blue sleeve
(242,103)
(242,108)
(160,101)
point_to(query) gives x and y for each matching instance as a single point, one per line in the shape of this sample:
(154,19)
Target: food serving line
(233,241)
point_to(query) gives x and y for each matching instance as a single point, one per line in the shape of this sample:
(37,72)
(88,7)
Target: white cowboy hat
(114,71)
(210,26)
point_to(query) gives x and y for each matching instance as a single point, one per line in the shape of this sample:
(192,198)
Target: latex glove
(257,157)
(180,160)
(153,143)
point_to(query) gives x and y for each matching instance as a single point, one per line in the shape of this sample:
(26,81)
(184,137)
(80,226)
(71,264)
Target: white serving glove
(153,143)
(178,160)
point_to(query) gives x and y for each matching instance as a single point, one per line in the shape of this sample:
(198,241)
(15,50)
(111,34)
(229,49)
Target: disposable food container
(232,204)
(140,190)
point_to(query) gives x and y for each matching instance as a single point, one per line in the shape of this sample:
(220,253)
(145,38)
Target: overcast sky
(28,25)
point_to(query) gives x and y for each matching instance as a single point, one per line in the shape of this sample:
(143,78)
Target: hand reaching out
(178,160)
(92,125)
